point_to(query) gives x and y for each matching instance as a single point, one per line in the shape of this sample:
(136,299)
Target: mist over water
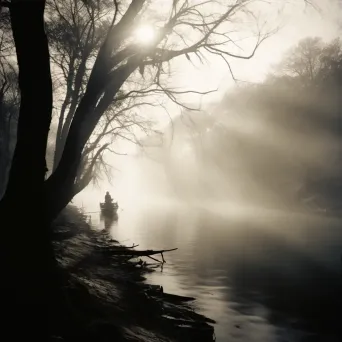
(263,275)
(260,259)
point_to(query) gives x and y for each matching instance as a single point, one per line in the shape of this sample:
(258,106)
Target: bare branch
(109,60)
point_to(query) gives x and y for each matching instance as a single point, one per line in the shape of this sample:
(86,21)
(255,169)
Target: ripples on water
(264,276)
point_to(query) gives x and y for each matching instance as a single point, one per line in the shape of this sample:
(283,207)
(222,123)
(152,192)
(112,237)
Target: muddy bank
(107,297)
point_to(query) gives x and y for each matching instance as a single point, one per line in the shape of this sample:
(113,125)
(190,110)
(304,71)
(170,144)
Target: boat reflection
(109,220)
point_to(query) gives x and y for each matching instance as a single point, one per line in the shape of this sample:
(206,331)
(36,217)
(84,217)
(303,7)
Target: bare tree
(76,30)
(310,62)
(192,30)
(187,29)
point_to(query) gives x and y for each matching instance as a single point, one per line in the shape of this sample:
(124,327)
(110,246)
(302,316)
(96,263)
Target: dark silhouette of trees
(117,60)
(312,62)
(103,61)
(9,104)
(27,260)
(9,100)
(75,30)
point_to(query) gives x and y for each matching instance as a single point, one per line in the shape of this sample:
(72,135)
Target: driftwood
(121,251)
(146,253)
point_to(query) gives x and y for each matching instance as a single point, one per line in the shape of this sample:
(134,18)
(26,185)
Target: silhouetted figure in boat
(108,198)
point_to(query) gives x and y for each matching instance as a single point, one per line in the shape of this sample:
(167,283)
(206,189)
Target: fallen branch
(154,259)
(133,246)
(117,251)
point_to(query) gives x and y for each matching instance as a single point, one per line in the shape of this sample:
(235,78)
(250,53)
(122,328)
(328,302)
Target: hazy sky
(297,23)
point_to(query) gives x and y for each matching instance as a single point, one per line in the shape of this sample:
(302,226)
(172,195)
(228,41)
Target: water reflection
(263,277)
(109,220)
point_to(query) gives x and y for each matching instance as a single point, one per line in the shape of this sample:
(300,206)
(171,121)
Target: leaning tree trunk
(29,282)
(102,87)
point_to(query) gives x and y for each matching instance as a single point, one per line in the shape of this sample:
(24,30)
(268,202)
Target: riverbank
(107,297)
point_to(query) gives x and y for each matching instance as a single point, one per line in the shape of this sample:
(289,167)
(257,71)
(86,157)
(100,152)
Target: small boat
(109,208)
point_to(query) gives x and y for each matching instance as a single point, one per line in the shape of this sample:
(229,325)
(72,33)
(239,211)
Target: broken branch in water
(134,253)
(148,252)
(154,259)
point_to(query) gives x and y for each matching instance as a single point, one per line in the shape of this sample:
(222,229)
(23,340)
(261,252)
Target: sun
(145,34)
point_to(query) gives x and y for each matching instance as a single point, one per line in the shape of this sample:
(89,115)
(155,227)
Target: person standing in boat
(108,198)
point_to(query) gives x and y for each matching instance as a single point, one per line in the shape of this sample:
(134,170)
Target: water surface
(262,275)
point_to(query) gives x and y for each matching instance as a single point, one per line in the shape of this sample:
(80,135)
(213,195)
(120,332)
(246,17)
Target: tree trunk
(60,184)
(29,285)
(5,161)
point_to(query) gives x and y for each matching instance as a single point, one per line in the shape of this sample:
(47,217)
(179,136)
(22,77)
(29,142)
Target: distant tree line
(281,139)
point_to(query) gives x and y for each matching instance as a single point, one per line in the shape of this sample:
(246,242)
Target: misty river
(262,275)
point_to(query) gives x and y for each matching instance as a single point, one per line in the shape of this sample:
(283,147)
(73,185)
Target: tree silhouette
(312,61)
(115,58)
(9,99)
(119,58)
(75,30)
(9,104)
